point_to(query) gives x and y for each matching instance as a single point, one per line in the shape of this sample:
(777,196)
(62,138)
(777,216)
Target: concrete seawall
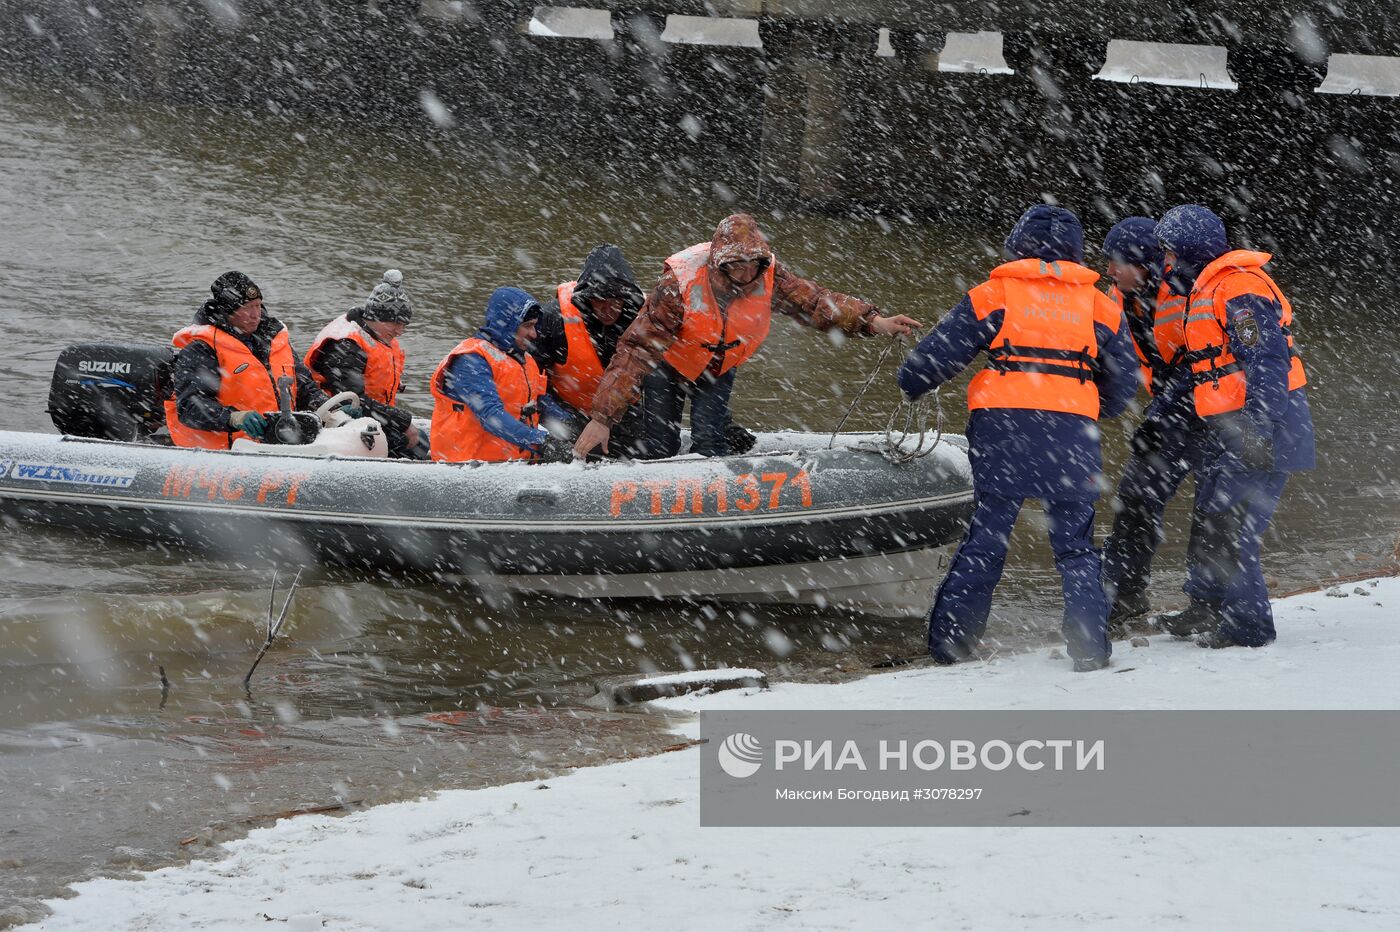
(805,112)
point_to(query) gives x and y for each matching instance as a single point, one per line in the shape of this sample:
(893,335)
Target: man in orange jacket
(489,393)
(1058,359)
(1248,385)
(578,335)
(1170,442)
(710,313)
(359,352)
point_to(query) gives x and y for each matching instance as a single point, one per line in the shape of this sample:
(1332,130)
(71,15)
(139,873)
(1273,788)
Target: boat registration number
(767,491)
(273,487)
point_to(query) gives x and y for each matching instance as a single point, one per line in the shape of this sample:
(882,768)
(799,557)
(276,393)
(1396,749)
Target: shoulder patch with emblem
(1247,328)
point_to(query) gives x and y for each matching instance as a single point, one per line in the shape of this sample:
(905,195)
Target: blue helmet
(1196,236)
(1195,233)
(1134,241)
(1053,234)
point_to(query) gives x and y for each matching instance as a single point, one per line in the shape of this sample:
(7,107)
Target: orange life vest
(1043,357)
(383,361)
(1168,329)
(457,435)
(735,333)
(577,379)
(1217,375)
(245,384)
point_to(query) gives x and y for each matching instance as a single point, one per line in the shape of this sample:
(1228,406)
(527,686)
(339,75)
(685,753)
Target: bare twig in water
(164,686)
(273,628)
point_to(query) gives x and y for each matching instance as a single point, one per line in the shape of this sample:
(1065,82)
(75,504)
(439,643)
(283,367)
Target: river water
(116,216)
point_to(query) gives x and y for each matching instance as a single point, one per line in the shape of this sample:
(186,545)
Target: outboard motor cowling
(112,391)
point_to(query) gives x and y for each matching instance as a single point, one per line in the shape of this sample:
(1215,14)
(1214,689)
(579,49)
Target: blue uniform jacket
(1270,409)
(468,379)
(1021,452)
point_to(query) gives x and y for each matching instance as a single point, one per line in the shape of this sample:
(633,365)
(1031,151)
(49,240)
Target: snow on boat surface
(790,521)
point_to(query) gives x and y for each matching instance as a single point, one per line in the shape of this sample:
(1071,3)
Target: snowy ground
(620,846)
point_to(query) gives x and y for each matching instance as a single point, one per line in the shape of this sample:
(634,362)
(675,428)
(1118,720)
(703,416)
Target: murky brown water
(115,218)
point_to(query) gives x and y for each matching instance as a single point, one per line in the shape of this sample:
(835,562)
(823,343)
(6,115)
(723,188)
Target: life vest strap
(1215,373)
(1198,355)
(999,360)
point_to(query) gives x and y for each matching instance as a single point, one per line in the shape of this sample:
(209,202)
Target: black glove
(738,440)
(1256,451)
(1147,439)
(250,422)
(554,450)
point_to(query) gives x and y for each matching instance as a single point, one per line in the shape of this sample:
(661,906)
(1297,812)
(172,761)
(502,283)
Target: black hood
(606,273)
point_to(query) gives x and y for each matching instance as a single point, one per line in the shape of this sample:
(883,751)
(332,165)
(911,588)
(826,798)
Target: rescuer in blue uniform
(1059,357)
(1247,383)
(1171,441)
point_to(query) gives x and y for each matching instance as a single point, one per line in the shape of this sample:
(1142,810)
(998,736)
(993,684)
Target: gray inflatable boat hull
(791,521)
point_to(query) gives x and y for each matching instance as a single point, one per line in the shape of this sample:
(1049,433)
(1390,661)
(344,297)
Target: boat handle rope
(906,413)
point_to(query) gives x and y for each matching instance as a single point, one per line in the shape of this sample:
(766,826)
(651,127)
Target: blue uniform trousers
(1148,484)
(1234,509)
(960,608)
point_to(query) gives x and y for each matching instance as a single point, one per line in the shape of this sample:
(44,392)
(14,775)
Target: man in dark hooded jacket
(232,333)
(709,313)
(1059,357)
(577,337)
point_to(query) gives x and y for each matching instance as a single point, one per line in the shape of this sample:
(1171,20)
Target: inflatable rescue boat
(801,517)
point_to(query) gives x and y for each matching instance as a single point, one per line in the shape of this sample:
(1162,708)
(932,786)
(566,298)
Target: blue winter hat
(1134,241)
(1049,233)
(1194,233)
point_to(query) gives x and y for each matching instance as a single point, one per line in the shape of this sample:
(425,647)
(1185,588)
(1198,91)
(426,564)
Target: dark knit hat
(1195,233)
(389,301)
(232,290)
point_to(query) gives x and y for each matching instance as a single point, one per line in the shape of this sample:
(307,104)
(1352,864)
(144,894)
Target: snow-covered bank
(621,845)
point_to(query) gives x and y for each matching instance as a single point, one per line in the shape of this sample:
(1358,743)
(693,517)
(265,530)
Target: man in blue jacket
(489,391)
(1247,383)
(1059,357)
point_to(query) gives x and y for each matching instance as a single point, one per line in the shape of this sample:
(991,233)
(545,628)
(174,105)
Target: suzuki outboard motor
(113,391)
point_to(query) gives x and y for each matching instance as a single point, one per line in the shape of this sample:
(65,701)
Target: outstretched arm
(640,350)
(948,350)
(822,309)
